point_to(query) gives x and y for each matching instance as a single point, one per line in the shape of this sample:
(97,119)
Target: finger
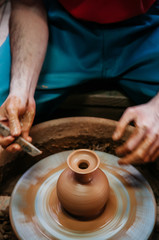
(155,155)
(2,114)
(28,138)
(127,117)
(14,148)
(129,159)
(5,141)
(152,151)
(6,123)
(14,123)
(139,154)
(26,122)
(3,118)
(132,142)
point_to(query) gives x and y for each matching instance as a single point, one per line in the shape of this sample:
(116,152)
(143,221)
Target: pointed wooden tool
(25,145)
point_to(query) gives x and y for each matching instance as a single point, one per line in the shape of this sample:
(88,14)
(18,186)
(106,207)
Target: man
(110,40)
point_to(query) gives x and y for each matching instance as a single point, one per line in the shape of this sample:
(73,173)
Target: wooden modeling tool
(25,145)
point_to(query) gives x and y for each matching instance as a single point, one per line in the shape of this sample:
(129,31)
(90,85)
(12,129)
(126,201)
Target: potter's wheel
(35,212)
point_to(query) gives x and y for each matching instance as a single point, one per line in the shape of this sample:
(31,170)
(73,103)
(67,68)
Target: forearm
(28,38)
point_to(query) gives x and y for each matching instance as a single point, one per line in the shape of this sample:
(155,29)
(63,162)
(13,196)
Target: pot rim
(80,165)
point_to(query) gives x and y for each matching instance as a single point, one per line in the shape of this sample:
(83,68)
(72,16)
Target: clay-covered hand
(143,145)
(18,115)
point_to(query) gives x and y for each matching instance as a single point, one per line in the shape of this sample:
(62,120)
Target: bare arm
(28,38)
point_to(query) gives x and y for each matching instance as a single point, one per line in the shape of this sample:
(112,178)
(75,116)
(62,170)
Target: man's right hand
(29,33)
(19,116)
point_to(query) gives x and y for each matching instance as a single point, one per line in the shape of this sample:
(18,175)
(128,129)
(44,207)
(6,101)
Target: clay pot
(83,188)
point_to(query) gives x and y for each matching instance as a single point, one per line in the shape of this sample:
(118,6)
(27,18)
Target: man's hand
(18,115)
(143,145)
(28,40)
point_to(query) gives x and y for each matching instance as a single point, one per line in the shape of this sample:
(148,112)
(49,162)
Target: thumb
(27,121)
(14,122)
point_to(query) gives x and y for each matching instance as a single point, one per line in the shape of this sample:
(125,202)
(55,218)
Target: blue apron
(126,53)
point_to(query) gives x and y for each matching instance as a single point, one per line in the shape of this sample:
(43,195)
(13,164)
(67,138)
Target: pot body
(83,199)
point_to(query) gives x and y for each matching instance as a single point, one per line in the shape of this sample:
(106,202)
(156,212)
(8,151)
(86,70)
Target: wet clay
(83,188)
(66,220)
(39,201)
(28,199)
(75,223)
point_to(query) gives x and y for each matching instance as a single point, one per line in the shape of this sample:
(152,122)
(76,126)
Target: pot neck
(84,178)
